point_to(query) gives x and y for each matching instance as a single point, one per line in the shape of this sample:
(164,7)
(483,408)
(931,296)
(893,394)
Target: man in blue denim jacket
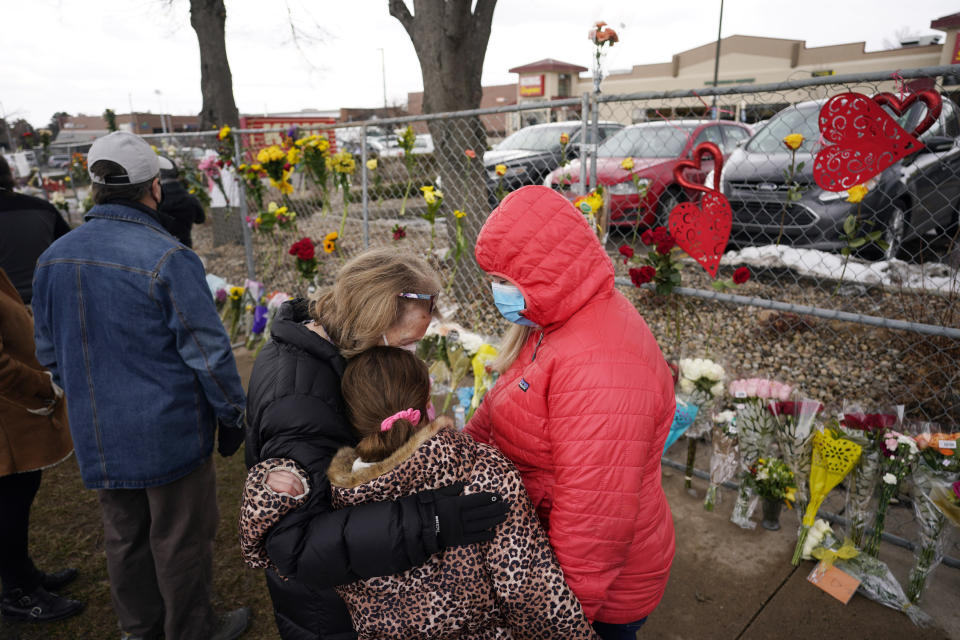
(126,323)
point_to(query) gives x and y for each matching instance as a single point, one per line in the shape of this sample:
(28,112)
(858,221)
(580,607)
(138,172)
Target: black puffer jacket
(294,410)
(28,226)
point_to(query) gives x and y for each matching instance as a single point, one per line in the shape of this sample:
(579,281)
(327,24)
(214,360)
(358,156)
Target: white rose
(686,385)
(717,390)
(889,478)
(724,416)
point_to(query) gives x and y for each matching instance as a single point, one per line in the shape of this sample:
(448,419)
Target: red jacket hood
(540,242)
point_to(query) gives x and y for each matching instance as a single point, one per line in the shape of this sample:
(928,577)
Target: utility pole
(716,64)
(383,74)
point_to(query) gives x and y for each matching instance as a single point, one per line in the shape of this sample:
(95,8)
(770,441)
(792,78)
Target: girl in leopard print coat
(511,587)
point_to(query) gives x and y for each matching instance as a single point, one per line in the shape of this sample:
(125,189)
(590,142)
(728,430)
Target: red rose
(642,275)
(741,275)
(647,237)
(664,246)
(626,252)
(660,234)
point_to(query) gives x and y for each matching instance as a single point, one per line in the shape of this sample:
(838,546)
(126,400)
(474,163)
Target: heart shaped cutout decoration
(866,141)
(702,230)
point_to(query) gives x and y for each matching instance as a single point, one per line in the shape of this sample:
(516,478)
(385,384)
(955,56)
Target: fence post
(242,196)
(595,112)
(584,116)
(363,187)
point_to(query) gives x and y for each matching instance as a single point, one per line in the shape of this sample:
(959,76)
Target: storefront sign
(820,73)
(531,86)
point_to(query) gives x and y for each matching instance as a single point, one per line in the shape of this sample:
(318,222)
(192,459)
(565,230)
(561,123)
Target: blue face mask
(510,303)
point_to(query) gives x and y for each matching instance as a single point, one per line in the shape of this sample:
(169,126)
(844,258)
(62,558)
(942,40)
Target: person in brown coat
(511,587)
(34,435)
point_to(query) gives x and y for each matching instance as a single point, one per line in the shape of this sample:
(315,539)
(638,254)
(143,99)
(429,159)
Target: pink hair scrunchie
(412,415)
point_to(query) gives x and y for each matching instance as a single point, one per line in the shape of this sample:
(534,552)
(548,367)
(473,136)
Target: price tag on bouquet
(839,584)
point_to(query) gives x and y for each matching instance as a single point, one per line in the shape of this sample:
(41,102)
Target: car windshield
(804,120)
(647,141)
(535,139)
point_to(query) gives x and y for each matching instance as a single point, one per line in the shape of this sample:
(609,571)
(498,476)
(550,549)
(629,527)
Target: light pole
(163,123)
(383,74)
(716,63)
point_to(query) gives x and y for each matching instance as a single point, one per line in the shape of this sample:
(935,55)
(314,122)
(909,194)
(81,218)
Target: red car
(654,148)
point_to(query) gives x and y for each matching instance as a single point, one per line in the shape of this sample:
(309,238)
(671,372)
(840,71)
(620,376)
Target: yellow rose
(857,193)
(627,164)
(500,169)
(224,132)
(793,141)
(372,164)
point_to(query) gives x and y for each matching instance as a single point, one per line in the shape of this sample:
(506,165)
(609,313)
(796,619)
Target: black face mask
(160,201)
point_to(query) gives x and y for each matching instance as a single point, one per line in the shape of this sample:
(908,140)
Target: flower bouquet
(700,383)
(936,501)
(251,175)
(233,311)
(276,163)
(900,452)
(306,257)
(864,429)
(342,165)
(315,149)
(773,481)
(794,431)
(433,198)
(755,427)
(723,460)
(483,376)
(211,166)
(876,581)
(833,458)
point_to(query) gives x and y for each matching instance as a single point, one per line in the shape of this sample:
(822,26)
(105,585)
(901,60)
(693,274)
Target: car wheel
(667,202)
(895,230)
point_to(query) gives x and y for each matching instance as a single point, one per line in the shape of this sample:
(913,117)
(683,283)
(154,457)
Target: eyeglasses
(432,297)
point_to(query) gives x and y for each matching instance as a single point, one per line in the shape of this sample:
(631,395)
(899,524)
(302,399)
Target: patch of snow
(933,277)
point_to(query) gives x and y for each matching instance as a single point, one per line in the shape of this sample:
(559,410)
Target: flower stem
(783,213)
(691,459)
(846,258)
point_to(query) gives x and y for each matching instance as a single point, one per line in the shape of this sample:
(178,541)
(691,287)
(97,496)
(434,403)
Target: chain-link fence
(848,301)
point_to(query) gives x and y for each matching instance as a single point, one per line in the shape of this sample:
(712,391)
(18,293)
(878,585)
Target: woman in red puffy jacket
(582,406)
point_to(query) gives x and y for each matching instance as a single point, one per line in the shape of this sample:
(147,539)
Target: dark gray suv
(916,197)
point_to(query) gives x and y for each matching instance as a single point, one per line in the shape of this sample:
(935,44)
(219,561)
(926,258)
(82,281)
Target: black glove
(229,438)
(459,520)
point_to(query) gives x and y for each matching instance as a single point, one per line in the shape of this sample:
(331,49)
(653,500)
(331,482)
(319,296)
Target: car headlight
(832,196)
(627,187)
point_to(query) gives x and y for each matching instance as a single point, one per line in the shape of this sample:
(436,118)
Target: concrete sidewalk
(730,583)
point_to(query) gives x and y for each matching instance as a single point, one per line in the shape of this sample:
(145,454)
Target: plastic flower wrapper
(931,484)
(938,448)
(864,428)
(260,313)
(483,377)
(755,427)
(723,459)
(876,581)
(233,311)
(700,382)
(794,429)
(900,453)
(833,458)
(683,417)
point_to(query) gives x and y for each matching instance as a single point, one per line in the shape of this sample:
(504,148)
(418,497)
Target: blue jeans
(627,631)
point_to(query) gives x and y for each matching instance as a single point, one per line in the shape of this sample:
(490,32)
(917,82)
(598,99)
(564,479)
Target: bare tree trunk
(207,17)
(451,43)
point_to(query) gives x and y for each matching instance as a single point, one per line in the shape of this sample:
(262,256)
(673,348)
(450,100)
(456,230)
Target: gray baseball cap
(130,152)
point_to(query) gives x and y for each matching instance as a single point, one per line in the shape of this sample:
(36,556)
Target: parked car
(533,152)
(914,197)
(655,148)
(58,161)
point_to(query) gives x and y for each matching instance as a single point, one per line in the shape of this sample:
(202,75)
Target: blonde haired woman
(582,407)
(295,411)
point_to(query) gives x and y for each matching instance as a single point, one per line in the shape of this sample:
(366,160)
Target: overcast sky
(83,56)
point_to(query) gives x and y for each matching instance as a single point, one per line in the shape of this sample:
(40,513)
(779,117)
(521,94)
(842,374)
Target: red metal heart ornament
(866,140)
(931,99)
(702,231)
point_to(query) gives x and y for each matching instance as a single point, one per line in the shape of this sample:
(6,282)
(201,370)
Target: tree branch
(483,13)
(398,9)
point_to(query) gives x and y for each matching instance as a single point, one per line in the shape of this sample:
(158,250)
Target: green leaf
(883,244)
(718,285)
(845,251)
(800,166)
(857,242)
(873,236)
(849,225)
